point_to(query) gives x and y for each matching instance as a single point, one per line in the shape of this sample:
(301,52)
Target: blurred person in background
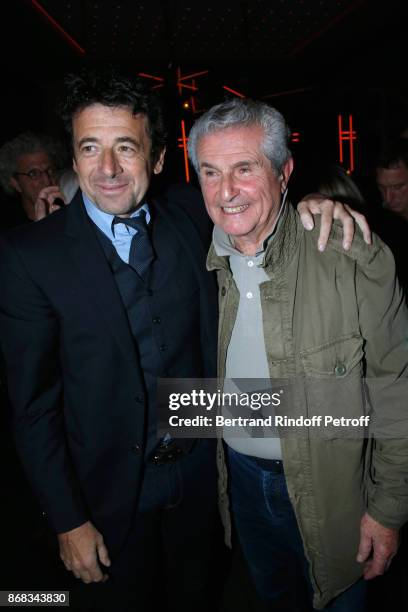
(29,169)
(391,222)
(392,177)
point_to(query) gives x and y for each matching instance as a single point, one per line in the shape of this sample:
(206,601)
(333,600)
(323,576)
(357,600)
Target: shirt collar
(103,220)
(224,243)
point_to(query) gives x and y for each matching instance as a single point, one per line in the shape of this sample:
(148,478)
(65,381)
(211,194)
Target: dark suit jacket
(73,373)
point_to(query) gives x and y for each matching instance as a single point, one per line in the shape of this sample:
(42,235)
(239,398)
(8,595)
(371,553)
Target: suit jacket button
(136,449)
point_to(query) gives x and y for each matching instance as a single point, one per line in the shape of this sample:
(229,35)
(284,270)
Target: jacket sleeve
(384,325)
(30,343)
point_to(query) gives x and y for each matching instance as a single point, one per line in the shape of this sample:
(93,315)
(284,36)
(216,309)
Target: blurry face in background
(393,184)
(29,188)
(112,157)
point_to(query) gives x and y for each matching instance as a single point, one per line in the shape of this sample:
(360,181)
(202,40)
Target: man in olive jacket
(313,513)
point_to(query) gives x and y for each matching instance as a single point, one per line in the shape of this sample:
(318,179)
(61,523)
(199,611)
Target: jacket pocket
(334,388)
(336,358)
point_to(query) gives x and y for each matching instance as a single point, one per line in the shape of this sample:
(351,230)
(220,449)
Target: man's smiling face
(241,189)
(112,157)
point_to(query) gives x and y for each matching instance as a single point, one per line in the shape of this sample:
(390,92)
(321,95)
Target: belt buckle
(270,465)
(166,453)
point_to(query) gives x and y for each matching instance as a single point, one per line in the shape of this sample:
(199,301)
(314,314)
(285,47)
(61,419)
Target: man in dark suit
(98,301)
(86,332)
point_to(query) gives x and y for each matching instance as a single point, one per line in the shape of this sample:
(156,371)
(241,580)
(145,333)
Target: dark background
(310,59)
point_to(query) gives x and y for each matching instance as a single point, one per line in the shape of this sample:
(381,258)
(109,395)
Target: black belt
(168,452)
(269,465)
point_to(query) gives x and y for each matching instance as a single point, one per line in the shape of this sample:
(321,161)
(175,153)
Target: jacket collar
(279,251)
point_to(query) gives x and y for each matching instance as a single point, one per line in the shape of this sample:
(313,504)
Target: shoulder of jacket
(361,252)
(37,243)
(185,204)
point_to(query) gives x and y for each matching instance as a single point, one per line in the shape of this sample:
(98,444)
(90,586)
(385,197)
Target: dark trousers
(270,539)
(167,561)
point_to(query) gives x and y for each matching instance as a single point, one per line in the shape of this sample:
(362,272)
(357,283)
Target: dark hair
(111,87)
(393,153)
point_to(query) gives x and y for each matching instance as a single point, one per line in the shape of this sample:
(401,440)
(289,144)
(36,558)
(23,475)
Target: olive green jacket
(328,315)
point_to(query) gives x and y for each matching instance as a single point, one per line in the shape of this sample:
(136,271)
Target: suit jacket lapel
(98,283)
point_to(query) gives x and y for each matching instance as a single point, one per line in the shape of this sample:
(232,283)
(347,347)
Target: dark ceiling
(307,57)
(159,30)
(259,45)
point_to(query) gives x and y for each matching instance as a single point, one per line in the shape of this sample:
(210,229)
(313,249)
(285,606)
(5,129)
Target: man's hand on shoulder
(378,546)
(82,550)
(317,204)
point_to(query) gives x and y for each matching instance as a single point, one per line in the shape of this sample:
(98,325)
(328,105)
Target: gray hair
(25,144)
(244,112)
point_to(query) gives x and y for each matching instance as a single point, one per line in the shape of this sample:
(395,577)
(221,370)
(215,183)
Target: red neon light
(236,93)
(57,27)
(149,76)
(179,80)
(184,140)
(352,137)
(192,76)
(347,135)
(287,92)
(192,87)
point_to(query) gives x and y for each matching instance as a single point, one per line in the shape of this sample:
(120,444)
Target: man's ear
(15,185)
(287,170)
(158,166)
(74,166)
